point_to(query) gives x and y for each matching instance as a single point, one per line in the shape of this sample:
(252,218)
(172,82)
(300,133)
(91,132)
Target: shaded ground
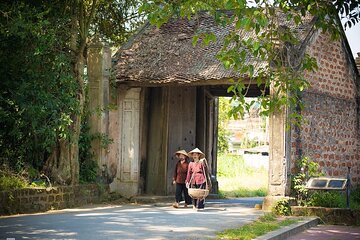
(328,232)
(133,221)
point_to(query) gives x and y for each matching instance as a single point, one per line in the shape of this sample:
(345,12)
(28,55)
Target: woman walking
(179,177)
(197,176)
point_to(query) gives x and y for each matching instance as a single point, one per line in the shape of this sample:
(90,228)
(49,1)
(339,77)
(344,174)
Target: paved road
(132,221)
(328,232)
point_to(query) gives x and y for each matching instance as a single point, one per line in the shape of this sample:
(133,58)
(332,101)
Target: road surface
(159,221)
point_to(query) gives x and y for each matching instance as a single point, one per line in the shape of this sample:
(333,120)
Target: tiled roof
(166,55)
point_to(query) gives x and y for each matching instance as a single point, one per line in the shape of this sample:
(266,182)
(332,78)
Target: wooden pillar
(157,143)
(200,119)
(215,184)
(206,129)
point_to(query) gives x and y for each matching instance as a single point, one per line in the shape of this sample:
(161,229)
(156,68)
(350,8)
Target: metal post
(348,189)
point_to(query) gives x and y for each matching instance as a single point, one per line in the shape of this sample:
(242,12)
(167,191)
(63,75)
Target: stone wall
(329,134)
(336,216)
(31,200)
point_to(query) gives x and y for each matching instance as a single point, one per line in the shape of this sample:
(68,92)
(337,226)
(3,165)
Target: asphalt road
(159,221)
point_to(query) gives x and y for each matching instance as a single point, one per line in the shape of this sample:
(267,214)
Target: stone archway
(205,128)
(279,149)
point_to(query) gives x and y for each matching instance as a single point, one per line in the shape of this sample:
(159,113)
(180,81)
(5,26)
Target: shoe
(175,205)
(194,207)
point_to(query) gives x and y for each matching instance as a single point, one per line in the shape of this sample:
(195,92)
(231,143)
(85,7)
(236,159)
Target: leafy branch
(265,45)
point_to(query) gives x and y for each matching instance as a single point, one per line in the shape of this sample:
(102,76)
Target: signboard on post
(327,183)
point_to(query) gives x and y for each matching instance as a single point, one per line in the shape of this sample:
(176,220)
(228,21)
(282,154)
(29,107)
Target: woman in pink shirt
(196,175)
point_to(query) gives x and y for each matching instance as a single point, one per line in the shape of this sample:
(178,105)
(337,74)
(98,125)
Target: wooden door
(182,127)
(129,161)
(127,178)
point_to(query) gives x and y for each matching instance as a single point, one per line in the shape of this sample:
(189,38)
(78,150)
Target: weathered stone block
(51,198)
(66,197)
(43,198)
(24,200)
(34,199)
(59,198)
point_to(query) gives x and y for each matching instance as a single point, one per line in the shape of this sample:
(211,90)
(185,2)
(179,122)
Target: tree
(223,133)
(86,18)
(70,25)
(280,56)
(37,91)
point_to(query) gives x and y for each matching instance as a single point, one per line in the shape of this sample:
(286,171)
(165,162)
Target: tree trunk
(58,167)
(62,167)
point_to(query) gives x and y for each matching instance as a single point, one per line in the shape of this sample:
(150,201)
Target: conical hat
(182,152)
(196,150)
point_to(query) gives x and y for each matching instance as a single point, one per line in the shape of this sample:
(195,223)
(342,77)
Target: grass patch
(267,223)
(236,179)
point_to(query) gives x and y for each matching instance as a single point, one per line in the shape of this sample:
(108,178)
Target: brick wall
(32,200)
(335,75)
(330,132)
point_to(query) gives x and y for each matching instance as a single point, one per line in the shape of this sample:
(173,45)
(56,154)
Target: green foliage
(307,169)
(88,171)
(223,133)
(355,198)
(42,46)
(232,166)
(244,192)
(355,195)
(332,199)
(223,140)
(38,94)
(88,166)
(248,143)
(282,208)
(267,217)
(11,181)
(263,225)
(236,179)
(116,20)
(280,57)
(38,184)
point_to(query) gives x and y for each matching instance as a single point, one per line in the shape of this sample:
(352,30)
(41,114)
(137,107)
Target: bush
(306,169)
(11,181)
(88,165)
(331,199)
(355,195)
(335,199)
(38,184)
(282,208)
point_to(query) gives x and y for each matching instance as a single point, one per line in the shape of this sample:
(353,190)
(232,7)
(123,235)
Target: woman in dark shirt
(181,169)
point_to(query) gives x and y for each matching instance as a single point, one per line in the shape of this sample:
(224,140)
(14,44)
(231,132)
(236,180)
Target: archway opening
(243,152)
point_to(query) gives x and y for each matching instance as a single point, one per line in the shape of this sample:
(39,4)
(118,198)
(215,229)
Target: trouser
(199,203)
(180,191)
